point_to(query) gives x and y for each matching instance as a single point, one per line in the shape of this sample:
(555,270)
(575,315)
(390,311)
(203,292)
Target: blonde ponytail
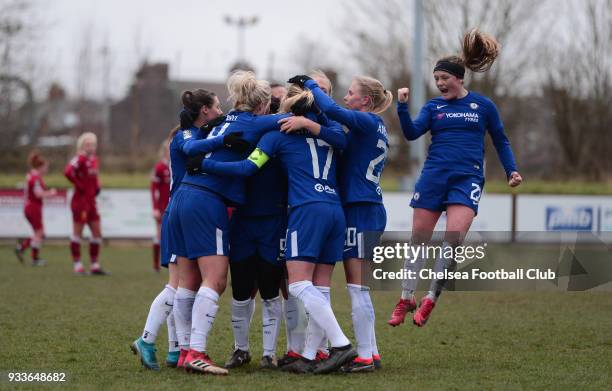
(380,98)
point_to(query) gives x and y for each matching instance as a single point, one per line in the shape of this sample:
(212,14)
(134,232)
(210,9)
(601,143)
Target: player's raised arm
(411,129)
(308,117)
(332,134)
(328,106)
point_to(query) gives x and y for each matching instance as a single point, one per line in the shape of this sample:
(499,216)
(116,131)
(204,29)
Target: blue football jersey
(273,179)
(458,128)
(252,127)
(310,164)
(178,158)
(363,160)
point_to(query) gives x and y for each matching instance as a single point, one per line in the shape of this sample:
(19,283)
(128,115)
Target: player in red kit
(33,207)
(160,194)
(82,171)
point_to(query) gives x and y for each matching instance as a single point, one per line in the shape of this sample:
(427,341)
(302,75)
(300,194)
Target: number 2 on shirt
(373,163)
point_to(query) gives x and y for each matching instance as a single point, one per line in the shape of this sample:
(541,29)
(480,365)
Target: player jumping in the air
(452,178)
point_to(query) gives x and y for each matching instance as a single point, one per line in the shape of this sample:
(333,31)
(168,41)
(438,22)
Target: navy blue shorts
(198,225)
(315,232)
(262,234)
(365,224)
(438,188)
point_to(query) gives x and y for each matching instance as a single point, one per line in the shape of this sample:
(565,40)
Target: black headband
(450,67)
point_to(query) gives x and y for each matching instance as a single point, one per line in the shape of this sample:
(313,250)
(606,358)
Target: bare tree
(16,97)
(381,45)
(310,54)
(84,62)
(516,24)
(579,89)
(377,40)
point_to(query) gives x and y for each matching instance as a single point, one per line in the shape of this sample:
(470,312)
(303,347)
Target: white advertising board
(127,214)
(124,214)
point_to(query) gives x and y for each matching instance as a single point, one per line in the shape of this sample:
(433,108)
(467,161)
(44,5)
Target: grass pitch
(52,321)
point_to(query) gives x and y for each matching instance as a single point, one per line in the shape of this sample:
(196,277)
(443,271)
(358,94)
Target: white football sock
(315,335)
(241,322)
(270,318)
(252,307)
(183,307)
(159,311)
(295,322)
(326,291)
(204,313)
(363,319)
(320,311)
(173,345)
(374,344)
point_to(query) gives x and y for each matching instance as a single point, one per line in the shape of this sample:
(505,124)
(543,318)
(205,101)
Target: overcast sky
(191,35)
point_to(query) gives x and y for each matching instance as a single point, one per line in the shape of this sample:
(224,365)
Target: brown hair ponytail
(479,50)
(193,101)
(478,53)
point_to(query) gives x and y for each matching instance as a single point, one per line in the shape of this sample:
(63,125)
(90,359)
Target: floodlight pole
(241,23)
(417,82)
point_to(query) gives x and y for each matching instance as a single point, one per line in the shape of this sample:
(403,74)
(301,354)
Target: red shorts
(84,212)
(34,215)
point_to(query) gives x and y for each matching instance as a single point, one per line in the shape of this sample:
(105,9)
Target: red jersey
(160,186)
(34,184)
(82,171)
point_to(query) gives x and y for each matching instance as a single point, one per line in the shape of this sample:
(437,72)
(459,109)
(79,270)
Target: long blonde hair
(246,92)
(380,98)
